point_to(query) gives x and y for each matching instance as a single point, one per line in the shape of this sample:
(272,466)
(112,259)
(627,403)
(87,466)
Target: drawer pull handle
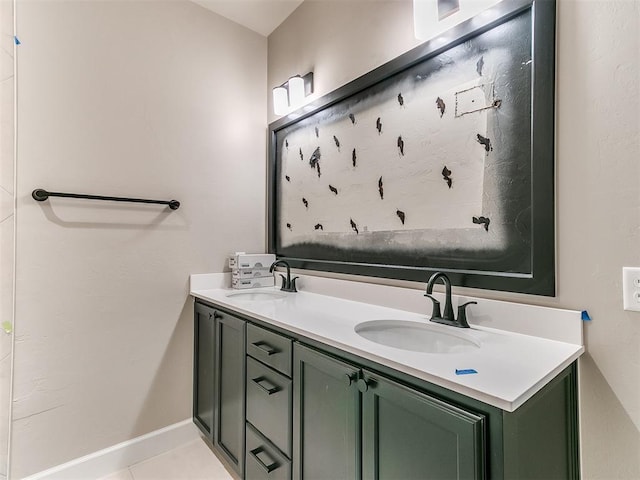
(265,347)
(267,467)
(270,389)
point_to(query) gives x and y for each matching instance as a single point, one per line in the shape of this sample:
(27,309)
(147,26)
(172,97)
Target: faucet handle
(292,287)
(435,313)
(284,282)
(462,314)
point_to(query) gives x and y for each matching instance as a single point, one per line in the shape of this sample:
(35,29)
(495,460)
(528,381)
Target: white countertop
(511,367)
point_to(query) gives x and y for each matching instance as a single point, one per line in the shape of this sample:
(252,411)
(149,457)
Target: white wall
(7,221)
(598,179)
(146,99)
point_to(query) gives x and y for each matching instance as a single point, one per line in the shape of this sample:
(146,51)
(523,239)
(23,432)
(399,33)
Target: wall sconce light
(291,94)
(433,17)
(280,100)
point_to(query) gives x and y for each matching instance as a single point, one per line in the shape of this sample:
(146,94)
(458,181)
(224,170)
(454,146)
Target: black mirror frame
(541,280)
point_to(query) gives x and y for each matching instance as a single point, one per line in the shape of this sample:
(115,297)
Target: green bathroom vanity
(277,403)
(218,381)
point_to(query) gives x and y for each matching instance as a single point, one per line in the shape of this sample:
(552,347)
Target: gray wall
(136,98)
(598,180)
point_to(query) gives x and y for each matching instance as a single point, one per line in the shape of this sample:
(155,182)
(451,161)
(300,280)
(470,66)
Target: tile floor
(192,461)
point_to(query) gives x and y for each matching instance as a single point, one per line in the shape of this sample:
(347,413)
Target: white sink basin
(257,296)
(416,336)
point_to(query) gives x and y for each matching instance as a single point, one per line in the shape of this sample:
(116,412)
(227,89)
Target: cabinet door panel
(326,417)
(203,369)
(410,435)
(229,434)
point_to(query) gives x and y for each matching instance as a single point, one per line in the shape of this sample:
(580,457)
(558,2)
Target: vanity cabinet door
(326,417)
(229,391)
(203,369)
(410,435)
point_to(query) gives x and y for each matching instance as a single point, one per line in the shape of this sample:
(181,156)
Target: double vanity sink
(510,367)
(381,392)
(401,334)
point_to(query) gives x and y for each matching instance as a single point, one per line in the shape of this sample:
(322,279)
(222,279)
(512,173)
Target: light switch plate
(631,288)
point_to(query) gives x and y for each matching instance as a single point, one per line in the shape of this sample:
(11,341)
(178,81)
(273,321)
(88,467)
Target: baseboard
(122,455)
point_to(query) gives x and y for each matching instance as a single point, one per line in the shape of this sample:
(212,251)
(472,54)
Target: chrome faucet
(448,317)
(288,283)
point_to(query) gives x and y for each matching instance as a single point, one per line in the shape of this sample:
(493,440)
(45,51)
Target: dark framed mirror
(440,160)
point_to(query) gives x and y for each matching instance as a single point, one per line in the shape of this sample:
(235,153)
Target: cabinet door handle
(351,377)
(269,389)
(272,465)
(217,315)
(265,347)
(363,385)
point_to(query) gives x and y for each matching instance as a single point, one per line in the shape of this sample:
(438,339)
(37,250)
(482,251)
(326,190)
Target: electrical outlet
(631,288)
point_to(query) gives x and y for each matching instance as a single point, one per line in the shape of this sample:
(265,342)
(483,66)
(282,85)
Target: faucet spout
(279,262)
(448,308)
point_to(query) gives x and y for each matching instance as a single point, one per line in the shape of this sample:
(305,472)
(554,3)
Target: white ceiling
(262,16)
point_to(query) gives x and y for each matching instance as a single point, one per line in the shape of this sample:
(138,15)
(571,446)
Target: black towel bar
(41,195)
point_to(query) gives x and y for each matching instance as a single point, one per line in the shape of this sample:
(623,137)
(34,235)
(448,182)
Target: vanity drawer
(269,404)
(270,348)
(263,461)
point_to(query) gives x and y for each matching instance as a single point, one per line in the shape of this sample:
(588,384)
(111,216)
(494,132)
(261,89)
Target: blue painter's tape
(15,39)
(466,371)
(585,316)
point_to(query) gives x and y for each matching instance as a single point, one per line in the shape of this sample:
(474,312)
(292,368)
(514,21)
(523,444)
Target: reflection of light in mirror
(429,24)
